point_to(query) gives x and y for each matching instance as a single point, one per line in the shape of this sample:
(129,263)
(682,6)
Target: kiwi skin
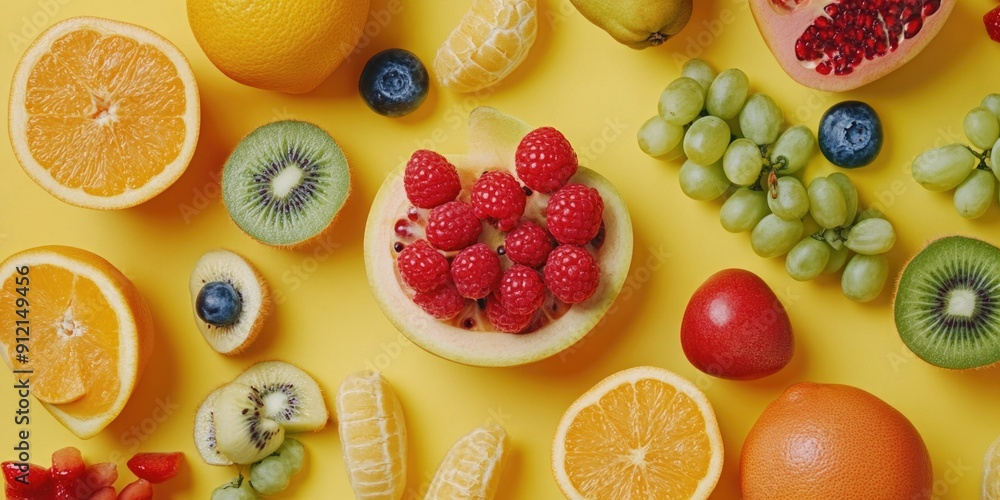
(939,362)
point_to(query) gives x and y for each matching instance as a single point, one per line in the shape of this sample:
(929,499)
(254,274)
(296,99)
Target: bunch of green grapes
(972,171)
(735,145)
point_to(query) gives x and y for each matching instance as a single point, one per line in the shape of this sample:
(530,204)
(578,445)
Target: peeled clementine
(833,441)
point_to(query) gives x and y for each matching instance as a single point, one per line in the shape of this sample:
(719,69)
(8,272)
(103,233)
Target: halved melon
(469,338)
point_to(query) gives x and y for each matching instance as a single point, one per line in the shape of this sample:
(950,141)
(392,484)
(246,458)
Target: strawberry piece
(528,244)
(444,303)
(155,467)
(430,180)
(140,489)
(453,226)
(497,196)
(521,290)
(67,469)
(992,21)
(422,267)
(96,477)
(25,479)
(545,160)
(571,273)
(574,214)
(504,320)
(476,271)
(105,493)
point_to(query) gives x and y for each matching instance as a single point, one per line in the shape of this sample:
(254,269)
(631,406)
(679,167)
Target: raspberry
(498,196)
(476,271)
(545,160)
(574,214)
(422,267)
(521,290)
(430,180)
(453,226)
(571,273)
(504,320)
(992,21)
(528,244)
(443,303)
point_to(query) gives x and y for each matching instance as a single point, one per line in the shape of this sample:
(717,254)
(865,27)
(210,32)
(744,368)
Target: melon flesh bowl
(469,338)
(839,45)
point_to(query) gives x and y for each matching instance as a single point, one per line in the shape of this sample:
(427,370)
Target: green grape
(734,127)
(826,203)
(675,153)
(743,210)
(706,140)
(702,183)
(864,277)
(774,236)
(796,145)
(727,94)
(833,238)
(237,489)
(981,127)
(838,256)
(975,194)
(849,191)
(871,237)
(270,476)
(995,159)
(807,259)
(792,200)
(869,213)
(742,162)
(681,101)
(699,71)
(760,119)
(292,453)
(992,103)
(943,168)
(657,137)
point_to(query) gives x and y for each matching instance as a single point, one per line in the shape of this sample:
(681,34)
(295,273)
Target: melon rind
(493,138)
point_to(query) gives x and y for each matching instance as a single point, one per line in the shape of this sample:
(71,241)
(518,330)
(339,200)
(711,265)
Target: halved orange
(103,114)
(644,432)
(81,335)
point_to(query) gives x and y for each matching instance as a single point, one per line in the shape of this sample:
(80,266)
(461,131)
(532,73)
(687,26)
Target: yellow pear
(637,23)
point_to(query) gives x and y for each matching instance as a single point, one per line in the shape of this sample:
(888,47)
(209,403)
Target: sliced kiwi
(244,431)
(204,432)
(291,397)
(230,299)
(947,303)
(285,182)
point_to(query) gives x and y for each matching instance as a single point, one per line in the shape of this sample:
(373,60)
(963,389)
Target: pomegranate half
(469,338)
(838,45)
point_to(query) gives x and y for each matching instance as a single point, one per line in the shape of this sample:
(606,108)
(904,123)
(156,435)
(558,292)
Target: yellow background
(597,92)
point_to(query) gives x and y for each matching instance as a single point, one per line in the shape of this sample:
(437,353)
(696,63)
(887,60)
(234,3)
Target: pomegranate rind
(492,141)
(781,27)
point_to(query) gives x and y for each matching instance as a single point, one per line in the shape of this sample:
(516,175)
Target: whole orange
(821,441)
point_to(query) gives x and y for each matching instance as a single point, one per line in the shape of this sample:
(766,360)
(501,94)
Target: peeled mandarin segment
(472,467)
(373,436)
(490,41)
(991,472)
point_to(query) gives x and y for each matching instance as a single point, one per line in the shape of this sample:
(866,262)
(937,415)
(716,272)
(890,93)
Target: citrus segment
(86,329)
(471,469)
(490,41)
(644,432)
(991,472)
(103,114)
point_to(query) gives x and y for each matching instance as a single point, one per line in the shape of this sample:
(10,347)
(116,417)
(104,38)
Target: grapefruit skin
(833,441)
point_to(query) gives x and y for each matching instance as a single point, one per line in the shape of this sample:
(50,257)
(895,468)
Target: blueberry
(394,82)
(850,134)
(218,304)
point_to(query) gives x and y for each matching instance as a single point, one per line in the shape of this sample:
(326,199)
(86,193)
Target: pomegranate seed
(402,227)
(412,214)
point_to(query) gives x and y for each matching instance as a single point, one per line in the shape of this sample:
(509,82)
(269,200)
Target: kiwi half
(285,183)
(244,431)
(291,397)
(253,300)
(204,432)
(947,303)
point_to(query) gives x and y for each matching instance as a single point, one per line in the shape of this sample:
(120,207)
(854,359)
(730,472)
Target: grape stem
(985,155)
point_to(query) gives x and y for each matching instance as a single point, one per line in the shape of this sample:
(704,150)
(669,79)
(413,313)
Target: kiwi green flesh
(947,304)
(492,140)
(285,182)
(290,396)
(244,434)
(255,302)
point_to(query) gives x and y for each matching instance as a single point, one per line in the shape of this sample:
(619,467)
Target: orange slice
(644,432)
(103,114)
(83,333)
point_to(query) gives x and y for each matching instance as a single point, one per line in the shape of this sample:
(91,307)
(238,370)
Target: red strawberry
(521,290)
(105,493)
(992,21)
(140,489)
(528,244)
(26,479)
(571,273)
(67,469)
(443,303)
(574,214)
(155,467)
(504,320)
(422,267)
(430,180)
(453,226)
(545,160)
(476,271)
(498,196)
